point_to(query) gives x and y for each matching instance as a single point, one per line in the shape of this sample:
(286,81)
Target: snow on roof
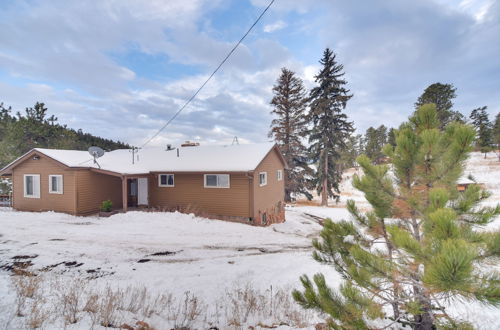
(465,180)
(231,158)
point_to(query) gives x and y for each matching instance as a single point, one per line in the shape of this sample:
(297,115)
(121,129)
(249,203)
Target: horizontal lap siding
(190,193)
(47,202)
(93,188)
(267,198)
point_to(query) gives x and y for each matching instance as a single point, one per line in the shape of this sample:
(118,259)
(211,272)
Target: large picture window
(32,185)
(55,184)
(216,180)
(166,180)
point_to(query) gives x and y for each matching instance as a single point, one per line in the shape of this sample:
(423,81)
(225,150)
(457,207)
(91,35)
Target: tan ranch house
(238,182)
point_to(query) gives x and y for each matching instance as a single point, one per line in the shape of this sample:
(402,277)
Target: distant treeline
(22,132)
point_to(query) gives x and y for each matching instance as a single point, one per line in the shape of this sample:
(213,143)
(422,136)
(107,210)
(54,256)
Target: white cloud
(278,25)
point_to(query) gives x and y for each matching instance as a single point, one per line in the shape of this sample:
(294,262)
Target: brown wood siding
(44,166)
(189,193)
(93,188)
(267,198)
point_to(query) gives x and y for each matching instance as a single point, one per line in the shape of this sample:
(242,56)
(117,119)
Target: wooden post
(124,194)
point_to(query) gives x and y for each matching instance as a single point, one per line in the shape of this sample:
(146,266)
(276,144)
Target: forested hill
(20,133)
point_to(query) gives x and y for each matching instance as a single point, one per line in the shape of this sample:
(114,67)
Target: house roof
(465,180)
(230,158)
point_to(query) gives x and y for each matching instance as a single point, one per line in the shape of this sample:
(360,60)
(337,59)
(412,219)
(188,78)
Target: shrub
(106,206)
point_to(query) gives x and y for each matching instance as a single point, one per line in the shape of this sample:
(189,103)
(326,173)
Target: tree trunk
(424,321)
(288,197)
(324,193)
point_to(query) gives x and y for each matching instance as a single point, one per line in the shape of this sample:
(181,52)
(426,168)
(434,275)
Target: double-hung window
(166,180)
(55,184)
(279,175)
(262,178)
(216,180)
(32,185)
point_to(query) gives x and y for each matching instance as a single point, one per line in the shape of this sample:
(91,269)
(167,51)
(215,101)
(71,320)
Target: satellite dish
(96,152)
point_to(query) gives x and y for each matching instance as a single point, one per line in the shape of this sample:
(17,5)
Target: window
(32,185)
(216,180)
(55,184)
(166,180)
(262,178)
(279,175)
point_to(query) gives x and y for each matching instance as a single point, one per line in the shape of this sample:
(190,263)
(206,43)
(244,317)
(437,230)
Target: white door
(142,197)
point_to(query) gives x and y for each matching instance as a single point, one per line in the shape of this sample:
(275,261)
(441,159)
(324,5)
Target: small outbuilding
(243,183)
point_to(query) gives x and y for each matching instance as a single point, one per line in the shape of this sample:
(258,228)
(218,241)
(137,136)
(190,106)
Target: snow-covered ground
(202,256)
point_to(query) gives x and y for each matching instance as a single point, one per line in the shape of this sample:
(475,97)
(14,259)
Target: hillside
(22,132)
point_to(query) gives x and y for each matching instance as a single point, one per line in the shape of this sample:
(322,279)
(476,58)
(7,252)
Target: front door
(142,191)
(132,192)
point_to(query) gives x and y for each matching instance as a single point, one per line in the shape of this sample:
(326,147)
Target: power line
(210,77)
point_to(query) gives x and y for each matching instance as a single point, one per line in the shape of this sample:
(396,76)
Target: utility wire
(210,77)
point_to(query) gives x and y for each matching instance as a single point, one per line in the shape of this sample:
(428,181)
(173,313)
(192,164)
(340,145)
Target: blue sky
(121,68)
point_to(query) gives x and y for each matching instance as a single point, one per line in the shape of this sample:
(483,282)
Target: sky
(121,68)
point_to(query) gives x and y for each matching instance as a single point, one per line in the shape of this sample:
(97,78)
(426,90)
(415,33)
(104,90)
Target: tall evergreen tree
(375,139)
(288,130)
(391,137)
(418,247)
(496,134)
(354,148)
(330,126)
(442,96)
(484,129)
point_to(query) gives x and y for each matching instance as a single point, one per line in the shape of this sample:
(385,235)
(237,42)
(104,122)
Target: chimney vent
(190,144)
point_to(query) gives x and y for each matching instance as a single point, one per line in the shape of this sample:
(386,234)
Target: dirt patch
(50,267)
(141,261)
(164,253)
(57,239)
(69,264)
(18,267)
(25,256)
(93,274)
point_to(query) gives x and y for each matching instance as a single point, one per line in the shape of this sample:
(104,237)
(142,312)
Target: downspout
(250,195)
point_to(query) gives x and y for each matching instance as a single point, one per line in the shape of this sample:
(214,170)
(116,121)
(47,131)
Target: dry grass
(49,301)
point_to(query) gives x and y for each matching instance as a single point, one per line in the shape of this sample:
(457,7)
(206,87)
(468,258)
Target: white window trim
(265,179)
(36,192)
(217,187)
(279,175)
(166,185)
(50,184)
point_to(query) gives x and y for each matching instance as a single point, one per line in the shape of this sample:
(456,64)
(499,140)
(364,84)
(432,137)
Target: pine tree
(330,127)
(375,139)
(442,96)
(484,129)
(496,134)
(391,137)
(353,150)
(419,246)
(288,129)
